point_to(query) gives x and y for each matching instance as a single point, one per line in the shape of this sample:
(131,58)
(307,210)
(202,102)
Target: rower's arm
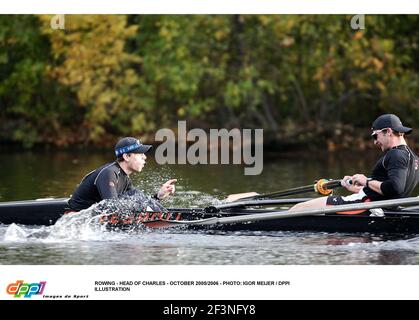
(363,181)
(397,175)
(106,184)
(375,185)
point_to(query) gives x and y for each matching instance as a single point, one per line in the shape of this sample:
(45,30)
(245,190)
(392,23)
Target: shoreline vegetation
(310,81)
(316,141)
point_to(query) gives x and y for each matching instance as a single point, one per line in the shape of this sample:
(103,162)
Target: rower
(112,180)
(394,176)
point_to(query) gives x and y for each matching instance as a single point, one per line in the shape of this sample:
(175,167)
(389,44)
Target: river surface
(76,240)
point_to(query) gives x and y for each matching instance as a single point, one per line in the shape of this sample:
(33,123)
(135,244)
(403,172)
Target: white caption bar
(208,282)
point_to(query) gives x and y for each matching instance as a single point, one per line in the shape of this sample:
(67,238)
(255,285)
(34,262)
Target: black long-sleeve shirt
(106,182)
(398,171)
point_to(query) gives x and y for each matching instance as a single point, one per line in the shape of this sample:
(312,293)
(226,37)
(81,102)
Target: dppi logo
(26,289)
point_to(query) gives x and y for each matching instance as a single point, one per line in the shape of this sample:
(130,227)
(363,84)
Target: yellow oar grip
(320,188)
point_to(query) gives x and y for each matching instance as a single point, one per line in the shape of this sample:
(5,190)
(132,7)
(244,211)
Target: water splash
(81,225)
(87,225)
(14,233)
(187,199)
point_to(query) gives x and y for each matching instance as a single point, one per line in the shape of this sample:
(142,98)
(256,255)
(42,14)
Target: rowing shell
(47,212)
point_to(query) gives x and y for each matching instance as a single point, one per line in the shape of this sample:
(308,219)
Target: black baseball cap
(390,121)
(130,145)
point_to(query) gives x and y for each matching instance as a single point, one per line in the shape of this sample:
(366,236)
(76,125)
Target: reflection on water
(198,247)
(28,175)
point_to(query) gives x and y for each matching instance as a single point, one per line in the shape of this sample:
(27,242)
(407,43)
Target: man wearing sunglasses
(112,180)
(395,174)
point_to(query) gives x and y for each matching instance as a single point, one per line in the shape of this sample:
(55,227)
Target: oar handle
(322,186)
(325,187)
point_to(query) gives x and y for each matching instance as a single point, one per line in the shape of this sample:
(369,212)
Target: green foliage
(33,108)
(111,75)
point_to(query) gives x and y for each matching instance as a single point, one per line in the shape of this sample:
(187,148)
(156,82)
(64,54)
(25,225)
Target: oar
(216,209)
(286,214)
(322,186)
(241,204)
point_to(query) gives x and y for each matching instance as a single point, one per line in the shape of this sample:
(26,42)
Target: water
(79,239)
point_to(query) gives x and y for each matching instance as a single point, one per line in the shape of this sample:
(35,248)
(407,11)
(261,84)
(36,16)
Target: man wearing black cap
(112,179)
(395,174)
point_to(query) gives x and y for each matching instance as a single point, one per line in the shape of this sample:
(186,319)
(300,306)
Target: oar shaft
(332,184)
(255,203)
(299,213)
(217,208)
(284,193)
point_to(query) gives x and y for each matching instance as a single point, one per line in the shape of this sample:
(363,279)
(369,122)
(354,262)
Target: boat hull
(332,223)
(47,212)
(33,212)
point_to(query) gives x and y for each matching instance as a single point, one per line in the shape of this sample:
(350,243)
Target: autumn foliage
(106,76)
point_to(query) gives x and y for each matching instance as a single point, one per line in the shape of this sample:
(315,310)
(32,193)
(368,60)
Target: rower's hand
(349,183)
(360,180)
(166,189)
